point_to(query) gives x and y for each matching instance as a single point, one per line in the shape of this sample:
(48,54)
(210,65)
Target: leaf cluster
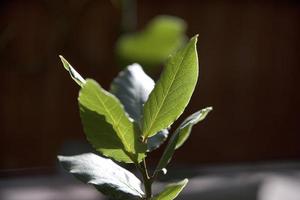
(132,119)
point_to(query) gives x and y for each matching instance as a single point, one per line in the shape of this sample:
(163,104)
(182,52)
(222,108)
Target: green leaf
(132,87)
(94,98)
(173,91)
(73,73)
(99,133)
(171,191)
(106,176)
(150,47)
(102,136)
(157,140)
(180,136)
(188,123)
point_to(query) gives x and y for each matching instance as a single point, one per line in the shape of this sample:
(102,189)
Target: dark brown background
(249,72)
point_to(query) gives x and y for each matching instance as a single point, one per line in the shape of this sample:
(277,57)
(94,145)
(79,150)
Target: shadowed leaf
(102,135)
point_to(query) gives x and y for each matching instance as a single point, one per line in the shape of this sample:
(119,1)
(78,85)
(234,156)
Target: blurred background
(249,53)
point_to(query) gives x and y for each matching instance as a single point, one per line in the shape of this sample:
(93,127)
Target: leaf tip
(195,38)
(73,73)
(64,62)
(185,181)
(210,108)
(60,158)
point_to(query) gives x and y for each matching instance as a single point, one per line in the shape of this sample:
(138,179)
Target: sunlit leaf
(93,99)
(173,90)
(106,176)
(98,131)
(132,87)
(171,191)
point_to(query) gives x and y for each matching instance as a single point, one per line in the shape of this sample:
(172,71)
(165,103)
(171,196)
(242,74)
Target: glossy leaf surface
(157,140)
(109,178)
(132,87)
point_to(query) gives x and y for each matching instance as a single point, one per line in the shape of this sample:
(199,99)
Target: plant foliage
(151,46)
(131,120)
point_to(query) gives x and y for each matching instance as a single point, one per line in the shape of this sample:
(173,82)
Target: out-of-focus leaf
(173,90)
(180,136)
(171,191)
(93,99)
(73,73)
(109,178)
(132,87)
(151,46)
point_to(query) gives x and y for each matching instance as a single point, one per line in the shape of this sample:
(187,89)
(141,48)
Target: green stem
(146,179)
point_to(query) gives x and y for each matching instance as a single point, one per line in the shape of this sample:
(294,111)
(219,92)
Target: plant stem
(146,179)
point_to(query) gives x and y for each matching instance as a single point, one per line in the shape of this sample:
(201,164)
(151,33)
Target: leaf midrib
(117,127)
(164,97)
(126,184)
(117,124)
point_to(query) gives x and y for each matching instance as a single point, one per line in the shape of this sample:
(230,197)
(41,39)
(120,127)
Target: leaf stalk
(147,180)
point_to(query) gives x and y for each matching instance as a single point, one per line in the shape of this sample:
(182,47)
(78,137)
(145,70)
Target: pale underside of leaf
(157,140)
(109,178)
(173,91)
(171,191)
(132,87)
